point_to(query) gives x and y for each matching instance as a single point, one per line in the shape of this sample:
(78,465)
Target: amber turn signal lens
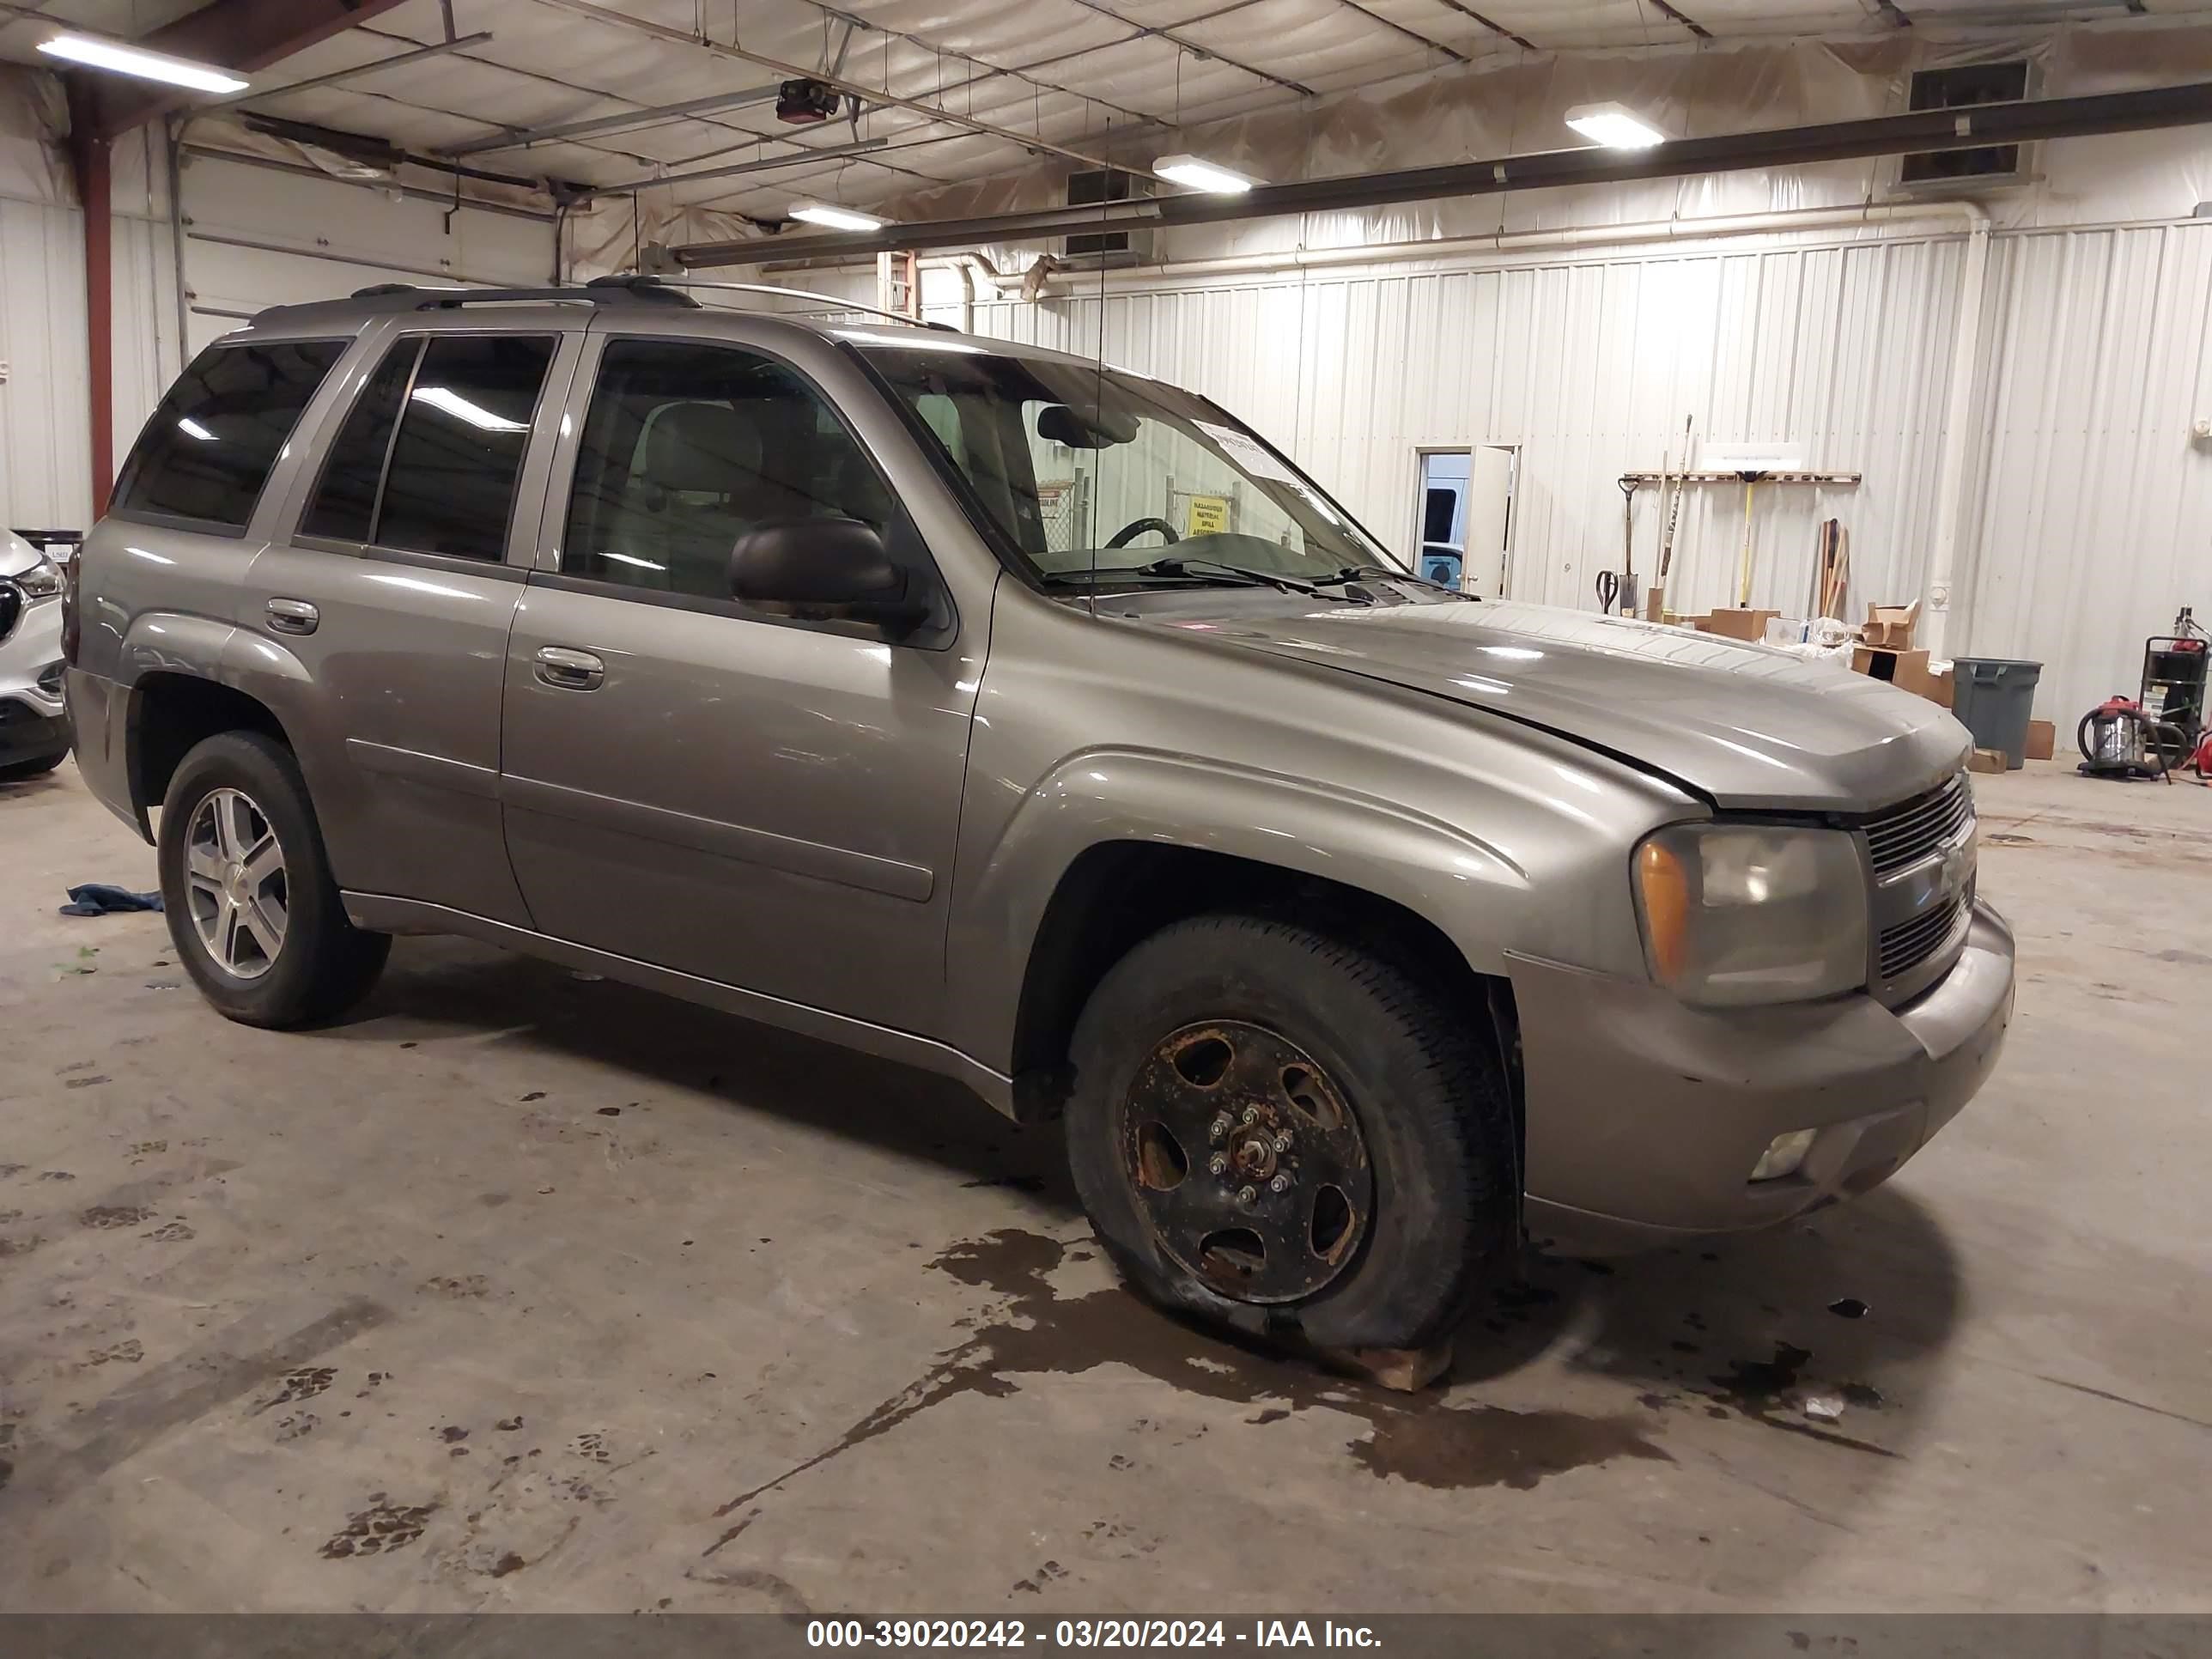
(1666,890)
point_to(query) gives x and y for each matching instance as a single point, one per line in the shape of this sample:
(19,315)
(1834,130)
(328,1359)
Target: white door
(1489,520)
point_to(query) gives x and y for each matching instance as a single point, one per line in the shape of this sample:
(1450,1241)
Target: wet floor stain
(303,1383)
(1760,1388)
(1416,1438)
(380,1529)
(115,1215)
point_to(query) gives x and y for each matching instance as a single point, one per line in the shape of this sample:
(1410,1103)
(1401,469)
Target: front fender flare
(1441,872)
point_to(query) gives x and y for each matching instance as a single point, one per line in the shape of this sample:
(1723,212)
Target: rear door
(387,606)
(754,798)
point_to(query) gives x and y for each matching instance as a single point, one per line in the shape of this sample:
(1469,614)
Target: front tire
(1277,1130)
(252,910)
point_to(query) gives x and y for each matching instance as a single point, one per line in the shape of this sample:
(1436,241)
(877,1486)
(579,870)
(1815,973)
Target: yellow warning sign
(1206,515)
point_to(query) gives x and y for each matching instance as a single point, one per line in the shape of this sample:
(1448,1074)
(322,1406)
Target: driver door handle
(567,669)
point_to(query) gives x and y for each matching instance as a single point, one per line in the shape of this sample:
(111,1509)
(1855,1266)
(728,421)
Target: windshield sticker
(1246,451)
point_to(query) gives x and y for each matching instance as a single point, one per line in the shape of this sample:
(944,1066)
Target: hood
(16,555)
(1744,724)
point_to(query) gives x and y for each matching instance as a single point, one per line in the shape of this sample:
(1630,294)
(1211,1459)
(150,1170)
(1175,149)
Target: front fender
(1443,871)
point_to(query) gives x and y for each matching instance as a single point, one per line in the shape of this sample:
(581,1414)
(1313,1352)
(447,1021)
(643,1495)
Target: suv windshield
(1087,468)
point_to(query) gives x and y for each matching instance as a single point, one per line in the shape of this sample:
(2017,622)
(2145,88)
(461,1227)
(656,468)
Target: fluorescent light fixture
(147,65)
(1615,125)
(447,401)
(632,558)
(192,429)
(1199,174)
(836,217)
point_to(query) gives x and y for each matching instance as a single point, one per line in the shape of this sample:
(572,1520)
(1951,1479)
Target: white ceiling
(1096,78)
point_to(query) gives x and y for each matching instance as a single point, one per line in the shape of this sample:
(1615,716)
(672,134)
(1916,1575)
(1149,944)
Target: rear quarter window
(207,452)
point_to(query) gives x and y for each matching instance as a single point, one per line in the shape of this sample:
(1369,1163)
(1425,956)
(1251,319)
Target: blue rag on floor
(98,898)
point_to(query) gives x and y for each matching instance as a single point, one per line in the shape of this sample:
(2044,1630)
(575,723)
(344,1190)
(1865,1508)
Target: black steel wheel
(1249,1166)
(1285,1132)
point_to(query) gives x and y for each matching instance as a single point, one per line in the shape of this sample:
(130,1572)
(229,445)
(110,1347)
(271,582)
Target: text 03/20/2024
(1085,1633)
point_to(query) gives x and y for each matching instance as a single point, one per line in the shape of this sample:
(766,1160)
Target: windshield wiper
(1352,572)
(1184,567)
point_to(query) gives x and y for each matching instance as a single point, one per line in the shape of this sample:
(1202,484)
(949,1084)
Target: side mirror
(832,570)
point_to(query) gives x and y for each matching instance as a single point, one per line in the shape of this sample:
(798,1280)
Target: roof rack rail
(832,299)
(600,291)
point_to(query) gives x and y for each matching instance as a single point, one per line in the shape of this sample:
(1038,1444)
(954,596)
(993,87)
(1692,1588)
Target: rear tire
(252,910)
(1291,1027)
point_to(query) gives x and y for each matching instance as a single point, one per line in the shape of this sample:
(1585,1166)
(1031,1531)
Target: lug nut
(1251,1114)
(1282,1142)
(1220,1126)
(1248,1196)
(1281,1184)
(1218,1163)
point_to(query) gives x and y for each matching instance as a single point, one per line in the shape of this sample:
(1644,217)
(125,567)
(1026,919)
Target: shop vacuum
(2162,728)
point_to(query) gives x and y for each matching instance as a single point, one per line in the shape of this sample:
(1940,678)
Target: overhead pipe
(1951,469)
(1986,124)
(1715,226)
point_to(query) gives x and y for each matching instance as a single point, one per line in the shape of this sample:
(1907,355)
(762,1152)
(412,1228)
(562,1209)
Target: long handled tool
(1672,513)
(1750,489)
(1621,587)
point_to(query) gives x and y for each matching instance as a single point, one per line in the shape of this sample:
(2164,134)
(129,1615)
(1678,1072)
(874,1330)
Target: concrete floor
(522,1290)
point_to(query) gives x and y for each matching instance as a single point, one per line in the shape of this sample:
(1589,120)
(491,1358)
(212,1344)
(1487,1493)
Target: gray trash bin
(1993,698)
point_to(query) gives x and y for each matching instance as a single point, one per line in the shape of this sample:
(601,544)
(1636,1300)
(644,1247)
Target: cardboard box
(1940,689)
(1889,627)
(2042,739)
(1738,624)
(1988,760)
(1906,669)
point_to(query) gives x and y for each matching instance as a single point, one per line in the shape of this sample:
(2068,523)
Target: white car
(34,727)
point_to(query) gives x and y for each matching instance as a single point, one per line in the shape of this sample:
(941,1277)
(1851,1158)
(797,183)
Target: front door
(752,799)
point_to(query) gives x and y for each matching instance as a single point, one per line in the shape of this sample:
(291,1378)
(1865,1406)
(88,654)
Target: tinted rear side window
(344,503)
(450,486)
(210,445)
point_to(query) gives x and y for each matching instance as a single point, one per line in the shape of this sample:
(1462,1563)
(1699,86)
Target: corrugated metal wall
(2092,515)
(1589,365)
(45,455)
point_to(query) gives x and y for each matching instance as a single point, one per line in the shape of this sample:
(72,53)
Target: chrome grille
(1911,831)
(1906,945)
(11,606)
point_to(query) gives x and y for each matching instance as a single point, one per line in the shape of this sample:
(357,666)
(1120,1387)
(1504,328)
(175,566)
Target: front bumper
(1645,1115)
(33,723)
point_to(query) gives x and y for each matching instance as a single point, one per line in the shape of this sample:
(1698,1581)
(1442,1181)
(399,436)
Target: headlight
(1735,913)
(41,581)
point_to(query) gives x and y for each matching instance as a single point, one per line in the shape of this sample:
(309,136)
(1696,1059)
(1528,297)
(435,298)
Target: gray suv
(1040,725)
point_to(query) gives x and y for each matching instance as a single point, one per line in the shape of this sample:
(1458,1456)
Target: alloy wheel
(234,880)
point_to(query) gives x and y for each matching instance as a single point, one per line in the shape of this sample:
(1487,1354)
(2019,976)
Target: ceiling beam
(607,14)
(1492,24)
(2027,120)
(1688,23)
(242,35)
(1457,56)
(523,137)
(338,77)
(1195,49)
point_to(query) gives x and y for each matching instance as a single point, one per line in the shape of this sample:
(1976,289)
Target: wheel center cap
(233,881)
(1253,1155)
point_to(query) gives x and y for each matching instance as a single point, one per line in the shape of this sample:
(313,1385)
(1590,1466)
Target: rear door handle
(569,670)
(293,617)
